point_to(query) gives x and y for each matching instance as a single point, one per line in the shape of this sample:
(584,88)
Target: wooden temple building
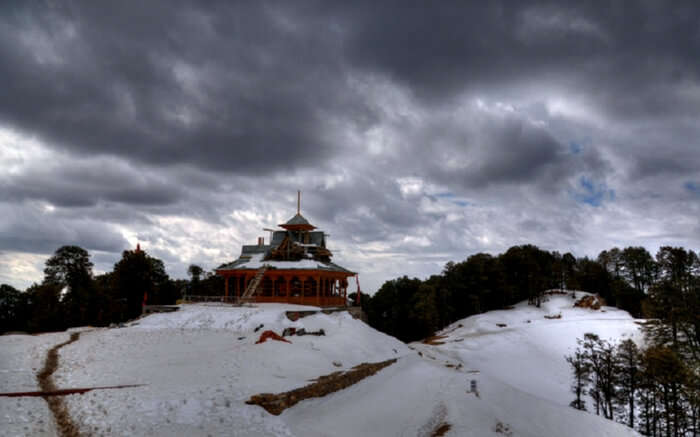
(295,267)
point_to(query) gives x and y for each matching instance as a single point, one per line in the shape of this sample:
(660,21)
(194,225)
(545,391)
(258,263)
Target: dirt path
(65,424)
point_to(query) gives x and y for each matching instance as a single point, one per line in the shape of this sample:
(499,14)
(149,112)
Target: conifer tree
(600,356)
(628,363)
(581,370)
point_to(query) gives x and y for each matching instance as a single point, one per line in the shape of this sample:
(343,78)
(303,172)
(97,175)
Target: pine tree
(628,362)
(600,356)
(581,370)
(668,372)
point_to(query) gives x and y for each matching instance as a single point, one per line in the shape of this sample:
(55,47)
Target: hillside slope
(200,364)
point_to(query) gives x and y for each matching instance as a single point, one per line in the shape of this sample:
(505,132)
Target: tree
(195,272)
(675,302)
(13,309)
(391,309)
(69,266)
(46,310)
(628,363)
(611,260)
(600,356)
(569,269)
(638,268)
(668,372)
(139,277)
(582,370)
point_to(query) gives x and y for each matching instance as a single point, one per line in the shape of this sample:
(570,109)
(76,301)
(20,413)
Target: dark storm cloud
(247,87)
(226,88)
(450,46)
(32,230)
(180,123)
(499,151)
(367,208)
(87,183)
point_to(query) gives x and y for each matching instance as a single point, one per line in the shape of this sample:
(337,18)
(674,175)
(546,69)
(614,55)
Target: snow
(21,356)
(256,262)
(529,343)
(200,364)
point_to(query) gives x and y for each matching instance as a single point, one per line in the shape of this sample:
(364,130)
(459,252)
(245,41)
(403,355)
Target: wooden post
(226,286)
(318,291)
(345,293)
(289,290)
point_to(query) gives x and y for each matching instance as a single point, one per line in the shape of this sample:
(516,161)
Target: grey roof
(336,268)
(298,219)
(240,264)
(251,249)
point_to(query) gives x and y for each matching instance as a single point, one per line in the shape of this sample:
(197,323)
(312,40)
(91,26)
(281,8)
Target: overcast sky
(417,134)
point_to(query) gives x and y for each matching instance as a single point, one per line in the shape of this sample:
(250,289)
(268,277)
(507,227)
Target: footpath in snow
(201,364)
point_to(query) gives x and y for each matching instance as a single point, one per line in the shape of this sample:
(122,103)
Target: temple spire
(298,201)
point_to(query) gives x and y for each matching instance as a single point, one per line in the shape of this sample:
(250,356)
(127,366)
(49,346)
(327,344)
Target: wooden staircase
(251,290)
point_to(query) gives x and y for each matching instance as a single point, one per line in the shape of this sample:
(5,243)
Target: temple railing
(210,299)
(299,300)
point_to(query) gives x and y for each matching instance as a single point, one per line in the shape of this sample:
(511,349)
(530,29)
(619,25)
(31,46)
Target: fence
(220,300)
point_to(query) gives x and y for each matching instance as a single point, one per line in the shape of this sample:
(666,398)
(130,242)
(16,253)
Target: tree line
(413,309)
(655,388)
(71,295)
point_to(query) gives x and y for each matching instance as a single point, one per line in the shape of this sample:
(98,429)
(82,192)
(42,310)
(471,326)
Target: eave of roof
(255,262)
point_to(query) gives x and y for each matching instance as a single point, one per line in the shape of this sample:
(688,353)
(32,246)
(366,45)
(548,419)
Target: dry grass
(321,386)
(441,430)
(588,302)
(435,340)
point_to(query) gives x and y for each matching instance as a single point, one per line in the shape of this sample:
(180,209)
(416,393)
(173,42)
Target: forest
(412,309)
(654,389)
(71,295)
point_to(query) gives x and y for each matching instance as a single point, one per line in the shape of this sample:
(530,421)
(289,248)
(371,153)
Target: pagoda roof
(298,222)
(298,219)
(255,261)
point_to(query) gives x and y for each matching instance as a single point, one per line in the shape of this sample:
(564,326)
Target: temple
(294,268)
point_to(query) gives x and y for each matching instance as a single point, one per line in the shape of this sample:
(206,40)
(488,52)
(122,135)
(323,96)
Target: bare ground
(66,426)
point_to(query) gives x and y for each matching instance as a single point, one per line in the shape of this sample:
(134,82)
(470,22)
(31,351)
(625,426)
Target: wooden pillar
(226,286)
(345,292)
(289,289)
(318,290)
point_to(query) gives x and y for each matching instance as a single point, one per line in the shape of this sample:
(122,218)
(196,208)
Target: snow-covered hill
(200,364)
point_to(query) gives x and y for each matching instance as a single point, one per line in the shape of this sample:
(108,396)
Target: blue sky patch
(593,193)
(575,148)
(452,198)
(446,195)
(693,187)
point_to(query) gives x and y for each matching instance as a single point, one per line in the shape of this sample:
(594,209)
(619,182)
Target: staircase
(253,285)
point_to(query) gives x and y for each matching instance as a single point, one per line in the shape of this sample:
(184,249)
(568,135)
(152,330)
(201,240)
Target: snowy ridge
(201,364)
